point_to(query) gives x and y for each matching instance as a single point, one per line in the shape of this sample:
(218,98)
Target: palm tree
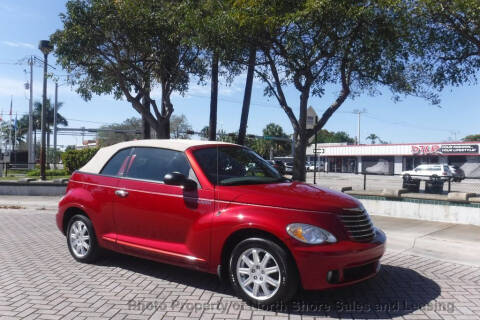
(373,138)
(37,116)
(37,119)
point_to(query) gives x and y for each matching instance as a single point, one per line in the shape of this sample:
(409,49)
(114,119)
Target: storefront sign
(426,149)
(445,148)
(459,148)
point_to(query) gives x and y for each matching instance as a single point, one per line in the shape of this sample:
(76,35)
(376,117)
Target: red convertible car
(218,208)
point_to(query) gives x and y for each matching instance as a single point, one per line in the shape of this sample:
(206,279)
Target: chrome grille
(358,224)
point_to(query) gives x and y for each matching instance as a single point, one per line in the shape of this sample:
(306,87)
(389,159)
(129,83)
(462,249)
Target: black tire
(287,276)
(93,251)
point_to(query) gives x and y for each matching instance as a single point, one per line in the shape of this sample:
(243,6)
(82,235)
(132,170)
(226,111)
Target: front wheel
(262,272)
(81,239)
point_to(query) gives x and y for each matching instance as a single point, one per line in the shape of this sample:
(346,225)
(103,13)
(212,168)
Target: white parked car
(320,166)
(428,172)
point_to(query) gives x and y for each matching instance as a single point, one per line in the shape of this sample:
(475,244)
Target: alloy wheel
(79,238)
(258,273)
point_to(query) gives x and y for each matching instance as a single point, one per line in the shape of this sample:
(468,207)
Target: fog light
(332,276)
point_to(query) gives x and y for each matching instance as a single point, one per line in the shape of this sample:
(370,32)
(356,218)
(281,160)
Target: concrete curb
(27,187)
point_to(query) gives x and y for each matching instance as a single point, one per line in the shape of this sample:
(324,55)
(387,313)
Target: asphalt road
(40,280)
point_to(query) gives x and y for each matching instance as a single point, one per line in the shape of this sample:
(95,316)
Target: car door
(161,221)
(102,188)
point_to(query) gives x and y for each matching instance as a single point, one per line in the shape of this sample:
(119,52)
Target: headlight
(310,234)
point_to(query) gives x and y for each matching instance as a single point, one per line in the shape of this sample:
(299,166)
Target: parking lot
(380,182)
(39,279)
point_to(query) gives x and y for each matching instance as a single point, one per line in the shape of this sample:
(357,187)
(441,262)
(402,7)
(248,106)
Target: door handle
(121,193)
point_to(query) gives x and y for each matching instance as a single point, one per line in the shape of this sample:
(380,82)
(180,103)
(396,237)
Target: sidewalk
(446,241)
(29,202)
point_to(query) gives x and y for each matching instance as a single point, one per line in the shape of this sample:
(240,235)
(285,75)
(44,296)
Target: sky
(23,23)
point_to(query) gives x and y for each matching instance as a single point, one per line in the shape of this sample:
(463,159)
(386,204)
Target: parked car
(428,172)
(320,166)
(457,173)
(289,167)
(279,165)
(307,165)
(218,208)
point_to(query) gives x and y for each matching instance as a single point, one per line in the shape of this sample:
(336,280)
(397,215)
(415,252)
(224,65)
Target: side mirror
(178,179)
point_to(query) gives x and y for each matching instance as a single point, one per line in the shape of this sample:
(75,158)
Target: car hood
(292,195)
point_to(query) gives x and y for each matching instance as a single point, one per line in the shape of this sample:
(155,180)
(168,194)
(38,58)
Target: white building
(395,158)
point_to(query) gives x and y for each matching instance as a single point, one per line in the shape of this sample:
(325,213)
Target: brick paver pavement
(40,280)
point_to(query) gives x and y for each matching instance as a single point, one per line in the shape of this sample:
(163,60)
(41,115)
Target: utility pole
(55,110)
(45,47)
(359,112)
(31,147)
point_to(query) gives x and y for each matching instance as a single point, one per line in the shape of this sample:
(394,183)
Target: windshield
(236,166)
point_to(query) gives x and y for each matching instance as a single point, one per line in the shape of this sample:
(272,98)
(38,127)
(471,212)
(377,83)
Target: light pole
(31,148)
(55,110)
(46,48)
(359,112)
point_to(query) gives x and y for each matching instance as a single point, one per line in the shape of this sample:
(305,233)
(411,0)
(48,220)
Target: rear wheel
(262,272)
(81,239)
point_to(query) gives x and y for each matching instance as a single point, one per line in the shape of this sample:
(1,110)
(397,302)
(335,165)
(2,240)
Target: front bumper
(339,264)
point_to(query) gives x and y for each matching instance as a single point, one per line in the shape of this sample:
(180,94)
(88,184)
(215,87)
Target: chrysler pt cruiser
(218,208)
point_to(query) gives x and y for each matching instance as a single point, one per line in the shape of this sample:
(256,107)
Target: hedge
(48,173)
(75,159)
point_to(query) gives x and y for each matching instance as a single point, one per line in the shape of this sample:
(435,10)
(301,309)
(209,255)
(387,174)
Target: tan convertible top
(104,154)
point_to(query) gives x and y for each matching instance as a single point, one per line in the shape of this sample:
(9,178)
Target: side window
(155,163)
(118,164)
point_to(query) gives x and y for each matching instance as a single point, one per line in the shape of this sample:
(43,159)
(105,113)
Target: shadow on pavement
(394,292)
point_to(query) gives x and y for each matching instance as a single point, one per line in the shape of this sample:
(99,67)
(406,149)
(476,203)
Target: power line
(409,125)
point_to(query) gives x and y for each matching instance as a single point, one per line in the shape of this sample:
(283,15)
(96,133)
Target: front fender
(274,221)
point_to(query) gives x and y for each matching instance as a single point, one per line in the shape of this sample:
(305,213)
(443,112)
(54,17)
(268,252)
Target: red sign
(426,149)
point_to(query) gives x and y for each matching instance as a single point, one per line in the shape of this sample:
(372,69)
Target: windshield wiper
(250,181)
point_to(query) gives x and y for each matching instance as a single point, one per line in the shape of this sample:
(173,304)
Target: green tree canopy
(279,148)
(451,34)
(472,137)
(325,136)
(126,48)
(356,45)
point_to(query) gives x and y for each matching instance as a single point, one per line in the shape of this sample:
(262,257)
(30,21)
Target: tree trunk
(212,132)
(163,129)
(301,138)
(146,132)
(242,131)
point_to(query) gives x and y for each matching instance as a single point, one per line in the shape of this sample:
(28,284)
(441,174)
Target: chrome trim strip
(137,246)
(361,225)
(364,235)
(361,230)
